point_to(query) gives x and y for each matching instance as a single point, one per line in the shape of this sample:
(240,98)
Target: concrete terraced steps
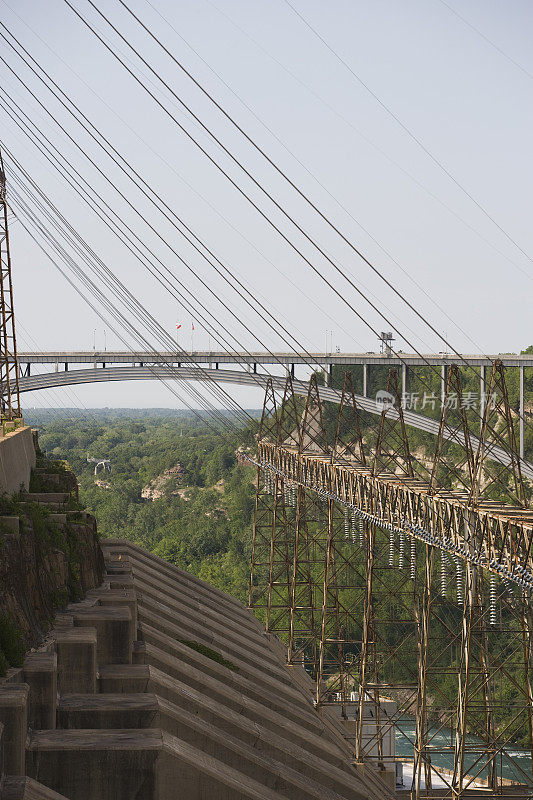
(158,686)
(27,789)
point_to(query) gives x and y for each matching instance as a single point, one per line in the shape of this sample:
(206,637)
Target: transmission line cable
(84,196)
(104,300)
(264,215)
(28,215)
(110,280)
(171,55)
(239,164)
(100,171)
(372,144)
(104,320)
(409,132)
(367,301)
(170,210)
(385,251)
(170,166)
(112,220)
(241,191)
(324,187)
(216,210)
(486,39)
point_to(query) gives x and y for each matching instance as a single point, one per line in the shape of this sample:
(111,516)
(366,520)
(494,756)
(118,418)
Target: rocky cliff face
(49,556)
(168,481)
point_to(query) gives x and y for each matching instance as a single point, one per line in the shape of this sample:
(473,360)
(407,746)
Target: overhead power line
(378,311)
(110,280)
(409,132)
(311,360)
(148,191)
(486,39)
(374,146)
(238,162)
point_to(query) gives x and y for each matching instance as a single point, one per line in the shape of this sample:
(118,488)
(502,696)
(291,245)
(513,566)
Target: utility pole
(9,371)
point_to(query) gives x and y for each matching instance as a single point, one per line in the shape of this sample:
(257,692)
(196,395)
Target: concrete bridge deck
(263,357)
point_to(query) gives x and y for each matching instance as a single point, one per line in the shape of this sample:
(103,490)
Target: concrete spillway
(157,685)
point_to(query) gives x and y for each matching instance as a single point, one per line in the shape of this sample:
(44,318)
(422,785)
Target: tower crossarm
(494,536)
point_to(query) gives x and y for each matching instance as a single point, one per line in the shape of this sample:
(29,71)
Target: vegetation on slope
(204,529)
(46,560)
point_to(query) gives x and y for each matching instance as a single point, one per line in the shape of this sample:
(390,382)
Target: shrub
(3,664)
(11,643)
(212,654)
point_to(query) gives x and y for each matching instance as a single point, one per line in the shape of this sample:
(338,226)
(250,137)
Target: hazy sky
(465,99)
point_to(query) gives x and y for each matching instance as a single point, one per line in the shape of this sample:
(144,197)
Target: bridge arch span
(52,380)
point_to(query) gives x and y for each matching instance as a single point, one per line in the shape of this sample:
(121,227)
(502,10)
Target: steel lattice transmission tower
(9,374)
(404,589)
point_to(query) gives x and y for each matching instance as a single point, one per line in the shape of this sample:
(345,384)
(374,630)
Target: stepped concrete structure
(17,459)
(157,686)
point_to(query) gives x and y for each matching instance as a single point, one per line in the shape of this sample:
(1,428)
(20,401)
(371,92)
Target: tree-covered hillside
(201,521)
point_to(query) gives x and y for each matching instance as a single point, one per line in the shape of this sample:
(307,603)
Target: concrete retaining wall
(17,459)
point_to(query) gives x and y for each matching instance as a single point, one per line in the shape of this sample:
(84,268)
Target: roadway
(287,359)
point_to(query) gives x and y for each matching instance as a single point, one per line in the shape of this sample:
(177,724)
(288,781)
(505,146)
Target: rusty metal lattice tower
(406,596)
(9,375)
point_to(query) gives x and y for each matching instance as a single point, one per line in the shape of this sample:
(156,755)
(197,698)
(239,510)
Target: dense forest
(201,516)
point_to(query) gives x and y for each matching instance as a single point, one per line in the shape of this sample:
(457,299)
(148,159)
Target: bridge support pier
(521,411)
(481,395)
